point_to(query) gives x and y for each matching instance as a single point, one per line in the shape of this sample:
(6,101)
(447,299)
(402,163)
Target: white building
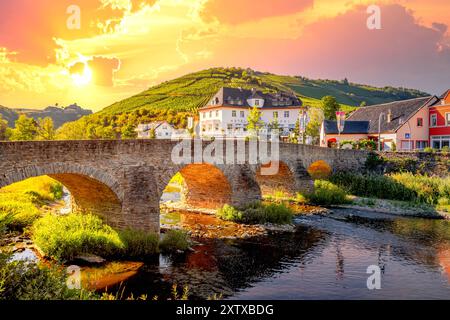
(162,130)
(227,111)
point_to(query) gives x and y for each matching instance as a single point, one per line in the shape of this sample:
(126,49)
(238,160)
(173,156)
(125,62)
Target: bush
(65,237)
(20,280)
(257,213)
(17,215)
(138,243)
(399,186)
(326,193)
(320,170)
(229,213)
(429,150)
(174,240)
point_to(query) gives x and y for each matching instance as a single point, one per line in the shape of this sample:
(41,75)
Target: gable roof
(237,97)
(350,127)
(401,112)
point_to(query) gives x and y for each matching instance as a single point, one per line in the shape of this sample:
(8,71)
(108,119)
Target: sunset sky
(125,46)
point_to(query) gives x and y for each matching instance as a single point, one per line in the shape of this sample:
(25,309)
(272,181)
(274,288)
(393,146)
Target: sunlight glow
(83,78)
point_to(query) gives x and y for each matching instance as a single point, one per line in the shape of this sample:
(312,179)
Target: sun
(82,79)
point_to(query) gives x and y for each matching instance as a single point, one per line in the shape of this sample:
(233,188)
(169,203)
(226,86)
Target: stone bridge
(123,180)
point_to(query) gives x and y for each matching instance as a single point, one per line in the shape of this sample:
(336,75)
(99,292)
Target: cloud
(240,11)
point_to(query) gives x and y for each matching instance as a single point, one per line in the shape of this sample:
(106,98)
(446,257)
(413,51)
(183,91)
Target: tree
(363,104)
(316,117)
(5,132)
(128,132)
(330,106)
(274,125)
(45,129)
(152,133)
(25,129)
(254,122)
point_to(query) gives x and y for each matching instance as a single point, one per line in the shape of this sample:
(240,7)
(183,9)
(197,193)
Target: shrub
(373,161)
(445,149)
(429,150)
(399,186)
(229,213)
(20,214)
(326,193)
(257,213)
(64,237)
(174,240)
(138,243)
(320,170)
(20,280)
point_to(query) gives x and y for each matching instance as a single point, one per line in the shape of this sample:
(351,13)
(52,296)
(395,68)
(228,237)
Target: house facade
(227,112)
(439,121)
(161,130)
(404,124)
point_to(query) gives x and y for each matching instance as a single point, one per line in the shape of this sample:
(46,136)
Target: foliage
(20,202)
(316,117)
(254,122)
(128,132)
(373,161)
(65,237)
(327,193)
(21,280)
(256,213)
(138,244)
(365,144)
(320,170)
(429,150)
(399,186)
(330,106)
(45,129)
(5,132)
(174,240)
(25,129)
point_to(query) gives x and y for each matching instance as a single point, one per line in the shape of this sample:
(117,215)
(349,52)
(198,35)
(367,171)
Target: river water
(326,258)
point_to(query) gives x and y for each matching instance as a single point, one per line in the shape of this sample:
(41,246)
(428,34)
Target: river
(326,258)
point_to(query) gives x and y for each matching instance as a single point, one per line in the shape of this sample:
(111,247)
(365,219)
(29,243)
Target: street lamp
(380,118)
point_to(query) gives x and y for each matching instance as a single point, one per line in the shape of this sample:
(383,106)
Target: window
(420,145)
(233,113)
(433,120)
(438,142)
(286,114)
(256,102)
(275,114)
(217,113)
(242,114)
(229,126)
(447,119)
(419,122)
(406,145)
(210,114)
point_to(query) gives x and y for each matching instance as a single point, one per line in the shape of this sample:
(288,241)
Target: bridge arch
(290,178)
(92,190)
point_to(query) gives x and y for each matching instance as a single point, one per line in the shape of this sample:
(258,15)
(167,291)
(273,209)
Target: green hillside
(174,101)
(192,91)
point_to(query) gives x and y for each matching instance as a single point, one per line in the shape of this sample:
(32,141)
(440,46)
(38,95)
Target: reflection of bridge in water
(123,180)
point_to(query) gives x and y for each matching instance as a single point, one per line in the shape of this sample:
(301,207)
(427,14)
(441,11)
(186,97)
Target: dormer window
(257,102)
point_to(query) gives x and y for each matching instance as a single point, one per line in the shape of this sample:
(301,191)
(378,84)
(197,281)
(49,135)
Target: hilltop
(192,91)
(59,115)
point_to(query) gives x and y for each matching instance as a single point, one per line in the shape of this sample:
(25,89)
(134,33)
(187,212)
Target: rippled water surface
(326,258)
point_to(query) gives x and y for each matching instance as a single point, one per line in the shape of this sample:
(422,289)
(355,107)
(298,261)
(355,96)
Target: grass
(409,187)
(257,213)
(20,203)
(327,193)
(174,240)
(64,237)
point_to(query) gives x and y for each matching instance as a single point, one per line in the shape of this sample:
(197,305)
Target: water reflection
(326,258)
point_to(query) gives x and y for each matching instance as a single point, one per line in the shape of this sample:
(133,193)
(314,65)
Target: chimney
(389,116)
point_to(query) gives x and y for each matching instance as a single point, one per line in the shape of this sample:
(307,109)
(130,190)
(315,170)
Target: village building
(156,130)
(440,122)
(401,125)
(227,111)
